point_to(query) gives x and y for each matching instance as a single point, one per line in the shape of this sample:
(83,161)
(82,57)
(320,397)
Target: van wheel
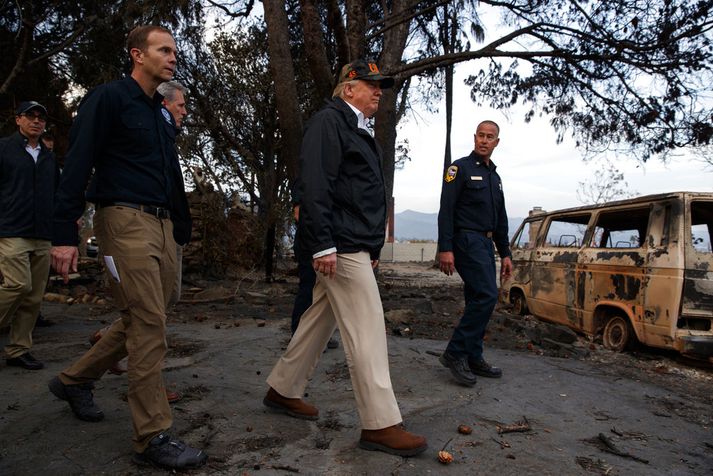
(618,334)
(519,303)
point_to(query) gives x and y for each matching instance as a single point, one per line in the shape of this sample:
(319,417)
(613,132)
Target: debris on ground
(604,443)
(445,457)
(464,430)
(517,427)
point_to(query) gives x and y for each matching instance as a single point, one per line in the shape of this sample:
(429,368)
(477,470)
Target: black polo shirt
(128,140)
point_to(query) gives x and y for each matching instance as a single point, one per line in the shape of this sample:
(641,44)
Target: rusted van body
(639,268)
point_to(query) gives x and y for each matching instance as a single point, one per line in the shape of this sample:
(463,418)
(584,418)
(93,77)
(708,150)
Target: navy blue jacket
(472,199)
(128,140)
(342,194)
(26,189)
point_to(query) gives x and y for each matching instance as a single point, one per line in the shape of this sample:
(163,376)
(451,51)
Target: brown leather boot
(393,440)
(293,407)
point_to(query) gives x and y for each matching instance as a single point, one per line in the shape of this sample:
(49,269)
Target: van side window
(527,237)
(701,226)
(567,231)
(621,229)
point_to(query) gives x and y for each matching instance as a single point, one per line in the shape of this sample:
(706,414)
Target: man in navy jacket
(28,177)
(342,228)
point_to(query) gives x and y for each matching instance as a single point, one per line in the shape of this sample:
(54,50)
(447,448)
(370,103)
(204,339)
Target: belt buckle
(150,210)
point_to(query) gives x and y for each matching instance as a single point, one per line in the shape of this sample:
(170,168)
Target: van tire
(618,334)
(518,301)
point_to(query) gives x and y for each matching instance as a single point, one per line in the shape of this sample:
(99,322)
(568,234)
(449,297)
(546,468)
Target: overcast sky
(536,171)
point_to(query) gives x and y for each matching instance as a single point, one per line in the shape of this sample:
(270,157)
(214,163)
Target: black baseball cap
(365,70)
(28,106)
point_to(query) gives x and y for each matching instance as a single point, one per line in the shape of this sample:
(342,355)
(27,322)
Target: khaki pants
(24,265)
(176,293)
(144,252)
(351,301)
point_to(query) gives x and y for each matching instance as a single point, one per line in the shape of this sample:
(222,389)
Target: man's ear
(136,54)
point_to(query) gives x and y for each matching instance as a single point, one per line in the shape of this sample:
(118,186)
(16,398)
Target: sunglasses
(32,117)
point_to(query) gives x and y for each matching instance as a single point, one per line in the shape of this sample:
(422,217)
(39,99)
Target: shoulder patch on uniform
(451,173)
(166,115)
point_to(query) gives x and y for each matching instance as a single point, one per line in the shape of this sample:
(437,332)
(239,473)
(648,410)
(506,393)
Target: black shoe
(79,397)
(26,361)
(484,369)
(333,343)
(42,322)
(167,453)
(459,368)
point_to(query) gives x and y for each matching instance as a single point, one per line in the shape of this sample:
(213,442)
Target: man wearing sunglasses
(28,177)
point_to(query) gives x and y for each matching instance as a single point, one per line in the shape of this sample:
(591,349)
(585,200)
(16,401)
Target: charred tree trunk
(289,118)
(388,115)
(270,257)
(315,50)
(283,75)
(336,25)
(356,28)
(448,38)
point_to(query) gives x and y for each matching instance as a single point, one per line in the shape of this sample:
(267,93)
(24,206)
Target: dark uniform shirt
(26,189)
(472,200)
(129,141)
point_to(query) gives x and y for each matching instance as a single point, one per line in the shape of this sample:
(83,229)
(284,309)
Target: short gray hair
(169,88)
(339,89)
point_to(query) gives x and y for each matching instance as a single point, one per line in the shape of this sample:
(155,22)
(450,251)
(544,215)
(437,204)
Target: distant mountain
(411,225)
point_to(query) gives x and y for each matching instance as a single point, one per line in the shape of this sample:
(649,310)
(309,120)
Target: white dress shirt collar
(361,120)
(33,151)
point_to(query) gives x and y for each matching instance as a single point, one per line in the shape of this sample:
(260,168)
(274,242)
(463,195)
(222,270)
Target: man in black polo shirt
(124,133)
(471,218)
(28,178)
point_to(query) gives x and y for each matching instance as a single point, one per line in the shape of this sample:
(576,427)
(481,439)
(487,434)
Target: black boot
(459,368)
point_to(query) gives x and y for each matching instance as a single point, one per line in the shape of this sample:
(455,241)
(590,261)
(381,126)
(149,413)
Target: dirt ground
(581,408)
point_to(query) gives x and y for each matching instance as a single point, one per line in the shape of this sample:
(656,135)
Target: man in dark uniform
(28,178)
(305,273)
(471,217)
(343,225)
(123,132)
(174,99)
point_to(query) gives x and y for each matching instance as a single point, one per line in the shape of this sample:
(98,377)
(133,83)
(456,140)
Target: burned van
(638,269)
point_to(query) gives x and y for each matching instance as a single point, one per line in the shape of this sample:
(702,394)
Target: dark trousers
(475,263)
(307,277)
(303,300)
